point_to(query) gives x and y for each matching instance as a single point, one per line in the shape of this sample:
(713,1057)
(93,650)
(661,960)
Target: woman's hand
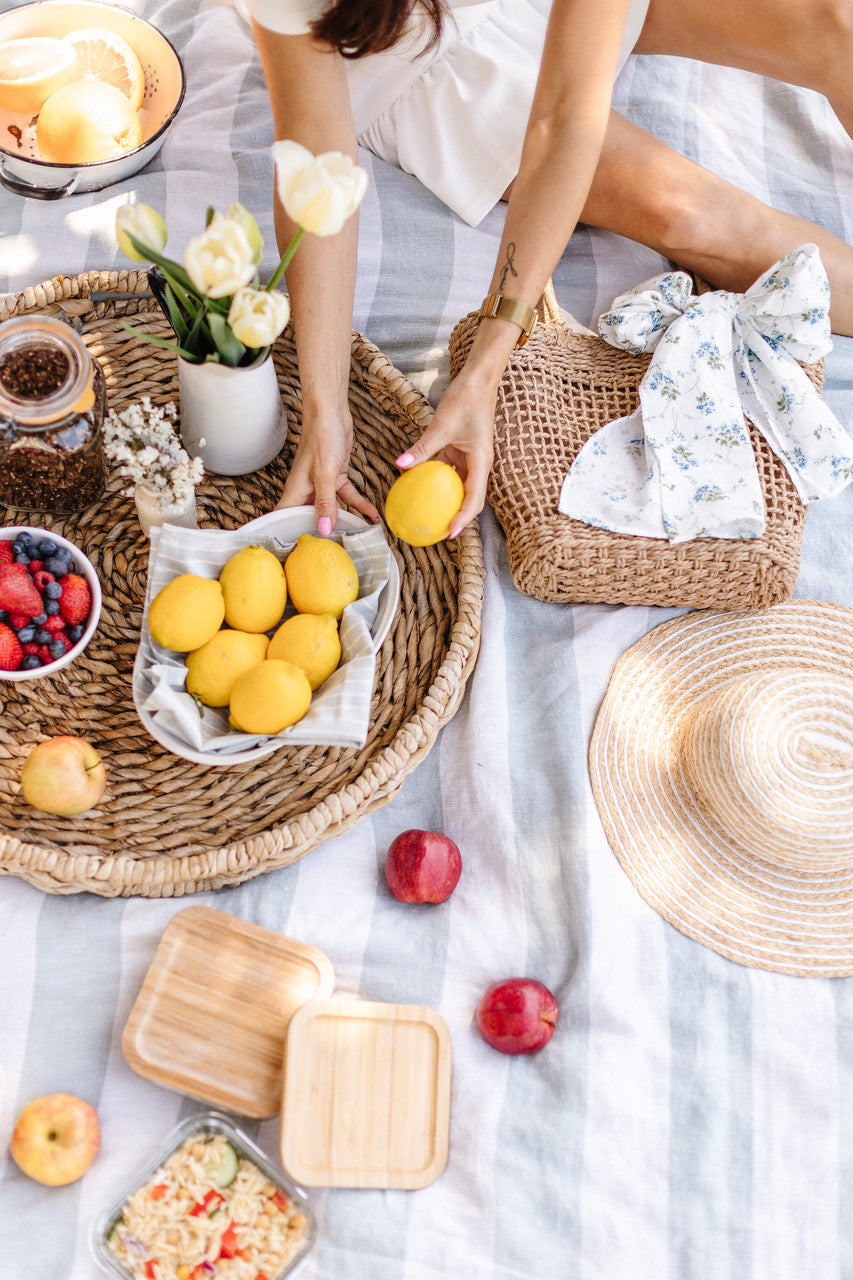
(319,472)
(462,432)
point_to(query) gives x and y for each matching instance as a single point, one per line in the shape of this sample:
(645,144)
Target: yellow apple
(55,1139)
(63,775)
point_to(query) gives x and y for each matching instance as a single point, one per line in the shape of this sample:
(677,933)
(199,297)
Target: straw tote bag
(557,390)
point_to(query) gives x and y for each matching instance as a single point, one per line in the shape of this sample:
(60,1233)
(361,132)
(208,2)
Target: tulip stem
(286,259)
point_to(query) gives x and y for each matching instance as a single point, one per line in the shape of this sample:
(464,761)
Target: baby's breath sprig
(143,443)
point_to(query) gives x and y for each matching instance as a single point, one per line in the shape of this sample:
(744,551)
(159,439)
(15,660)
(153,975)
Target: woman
(376,71)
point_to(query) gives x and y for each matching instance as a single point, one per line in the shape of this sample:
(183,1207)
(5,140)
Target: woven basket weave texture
(166,826)
(557,390)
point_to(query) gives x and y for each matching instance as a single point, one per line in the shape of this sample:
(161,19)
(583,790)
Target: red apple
(517,1016)
(63,775)
(55,1139)
(422,866)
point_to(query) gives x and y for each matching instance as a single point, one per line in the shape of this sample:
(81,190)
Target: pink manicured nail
(454,532)
(404,460)
(324,526)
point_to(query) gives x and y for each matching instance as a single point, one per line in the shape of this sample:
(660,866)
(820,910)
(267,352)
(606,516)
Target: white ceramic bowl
(86,570)
(22,169)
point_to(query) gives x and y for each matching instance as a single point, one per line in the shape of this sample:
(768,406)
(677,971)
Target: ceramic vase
(232,419)
(152,510)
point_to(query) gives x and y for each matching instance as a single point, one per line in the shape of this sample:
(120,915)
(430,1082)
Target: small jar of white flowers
(142,443)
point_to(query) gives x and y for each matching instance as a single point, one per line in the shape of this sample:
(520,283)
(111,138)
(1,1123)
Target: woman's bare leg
(802,42)
(648,192)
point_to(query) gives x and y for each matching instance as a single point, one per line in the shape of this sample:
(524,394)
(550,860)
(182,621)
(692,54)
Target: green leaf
(157,341)
(230,349)
(171,270)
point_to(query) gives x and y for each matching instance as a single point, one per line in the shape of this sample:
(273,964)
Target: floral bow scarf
(682,466)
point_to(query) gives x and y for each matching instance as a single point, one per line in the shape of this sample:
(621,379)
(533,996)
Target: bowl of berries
(50,602)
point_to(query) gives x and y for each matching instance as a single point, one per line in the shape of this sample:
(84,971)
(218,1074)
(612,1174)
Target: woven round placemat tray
(166,826)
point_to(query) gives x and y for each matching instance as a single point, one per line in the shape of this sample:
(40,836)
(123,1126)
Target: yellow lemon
(213,669)
(254,588)
(321,576)
(269,697)
(422,501)
(186,612)
(103,55)
(31,70)
(86,122)
(310,641)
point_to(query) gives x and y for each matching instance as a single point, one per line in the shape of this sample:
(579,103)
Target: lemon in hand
(269,697)
(254,588)
(321,576)
(309,641)
(186,612)
(214,668)
(422,501)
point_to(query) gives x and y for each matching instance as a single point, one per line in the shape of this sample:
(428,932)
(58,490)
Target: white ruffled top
(455,116)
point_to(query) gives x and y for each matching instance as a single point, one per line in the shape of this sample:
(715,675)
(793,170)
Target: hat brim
(749,909)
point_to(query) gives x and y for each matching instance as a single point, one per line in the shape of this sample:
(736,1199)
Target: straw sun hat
(722,767)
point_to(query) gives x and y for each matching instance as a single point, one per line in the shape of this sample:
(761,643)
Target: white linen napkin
(339,713)
(682,466)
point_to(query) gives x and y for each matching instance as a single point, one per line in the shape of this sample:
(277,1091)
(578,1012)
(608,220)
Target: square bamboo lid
(212,1013)
(366,1099)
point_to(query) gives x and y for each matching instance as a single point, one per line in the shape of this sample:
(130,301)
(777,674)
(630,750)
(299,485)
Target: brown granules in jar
(33,372)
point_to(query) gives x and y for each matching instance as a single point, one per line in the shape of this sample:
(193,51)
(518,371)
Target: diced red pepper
(228,1243)
(211,1200)
(280,1201)
(261,1276)
(149,1268)
(158,1192)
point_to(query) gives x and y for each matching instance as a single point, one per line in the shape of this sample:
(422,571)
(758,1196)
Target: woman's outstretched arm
(310,105)
(562,145)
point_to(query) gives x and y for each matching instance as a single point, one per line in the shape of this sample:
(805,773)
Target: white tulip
(220,260)
(238,213)
(317,192)
(144,224)
(257,317)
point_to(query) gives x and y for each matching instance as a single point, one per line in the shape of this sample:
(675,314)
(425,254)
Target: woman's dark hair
(358,27)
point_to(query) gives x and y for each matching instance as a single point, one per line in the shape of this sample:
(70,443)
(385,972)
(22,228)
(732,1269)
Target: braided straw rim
(167,826)
(758,906)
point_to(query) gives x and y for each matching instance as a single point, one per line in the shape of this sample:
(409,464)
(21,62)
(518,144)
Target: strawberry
(75,603)
(11,652)
(7,555)
(18,593)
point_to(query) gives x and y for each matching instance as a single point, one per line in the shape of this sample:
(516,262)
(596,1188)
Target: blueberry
(40,619)
(74,633)
(22,558)
(57,567)
(26,634)
(56,649)
(42,637)
(51,607)
(52,591)
(3,615)
(47,547)
(30,661)
(22,541)
(63,553)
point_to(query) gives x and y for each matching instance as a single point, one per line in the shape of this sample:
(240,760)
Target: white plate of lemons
(263,636)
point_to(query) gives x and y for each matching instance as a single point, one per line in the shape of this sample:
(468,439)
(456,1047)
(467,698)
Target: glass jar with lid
(52,401)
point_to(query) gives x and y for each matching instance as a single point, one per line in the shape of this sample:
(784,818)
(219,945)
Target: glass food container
(52,401)
(145,1232)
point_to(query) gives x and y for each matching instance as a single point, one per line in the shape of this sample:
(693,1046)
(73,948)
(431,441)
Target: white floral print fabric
(681,466)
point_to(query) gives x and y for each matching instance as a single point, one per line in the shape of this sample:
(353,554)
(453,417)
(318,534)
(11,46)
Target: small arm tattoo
(509,265)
